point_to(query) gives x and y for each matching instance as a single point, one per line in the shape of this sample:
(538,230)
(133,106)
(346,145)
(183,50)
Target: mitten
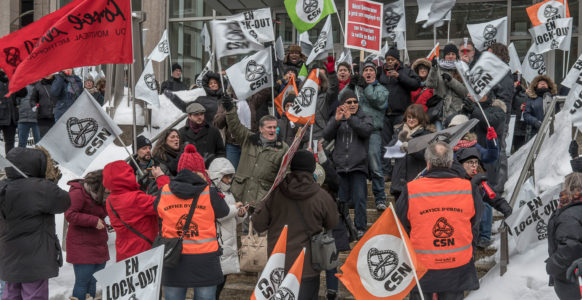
(330,64)
(491,134)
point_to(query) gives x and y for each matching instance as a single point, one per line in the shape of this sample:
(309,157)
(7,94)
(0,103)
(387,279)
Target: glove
(227,102)
(573,149)
(478,178)
(446,77)
(404,147)
(362,81)
(435,62)
(491,134)
(468,106)
(403,135)
(353,82)
(330,64)
(576,164)
(518,88)
(505,209)
(572,273)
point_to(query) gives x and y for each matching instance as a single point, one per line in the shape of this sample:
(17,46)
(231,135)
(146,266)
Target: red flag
(83,33)
(290,87)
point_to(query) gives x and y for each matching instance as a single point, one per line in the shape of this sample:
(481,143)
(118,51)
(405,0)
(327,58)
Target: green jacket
(373,100)
(258,165)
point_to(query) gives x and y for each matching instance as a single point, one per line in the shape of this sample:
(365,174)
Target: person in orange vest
(441,213)
(199,266)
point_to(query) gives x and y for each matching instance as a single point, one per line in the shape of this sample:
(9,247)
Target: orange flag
(383,263)
(289,288)
(547,10)
(303,109)
(290,87)
(434,52)
(274,270)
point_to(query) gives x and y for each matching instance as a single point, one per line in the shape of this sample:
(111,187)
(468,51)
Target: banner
(397,37)
(423,10)
(554,34)
(279,49)
(439,12)
(206,69)
(547,10)
(323,44)
(394,17)
(573,73)
(434,52)
(205,39)
(303,108)
(379,266)
(290,87)
(229,39)
(83,33)
(289,288)
(529,222)
(80,135)
(486,34)
(305,14)
(274,271)
(146,88)
(363,25)
(533,64)
(514,62)
(251,74)
(256,25)
(162,49)
(484,75)
(138,277)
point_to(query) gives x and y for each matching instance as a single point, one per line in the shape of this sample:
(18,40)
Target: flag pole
(272,109)
(434,37)
(130,155)
(448,31)
(407,251)
(340,23)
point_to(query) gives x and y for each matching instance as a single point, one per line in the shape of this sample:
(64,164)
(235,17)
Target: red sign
(364,25)
(83,33)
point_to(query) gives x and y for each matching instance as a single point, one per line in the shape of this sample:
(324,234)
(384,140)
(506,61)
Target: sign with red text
(364,25)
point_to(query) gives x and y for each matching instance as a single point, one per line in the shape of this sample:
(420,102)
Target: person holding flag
(294,57)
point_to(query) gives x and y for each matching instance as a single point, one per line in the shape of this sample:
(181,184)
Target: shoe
(331,295)
(360,234)
(483,243)
(381,207)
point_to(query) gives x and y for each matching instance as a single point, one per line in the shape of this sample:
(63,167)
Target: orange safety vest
(201,235)
(440,212)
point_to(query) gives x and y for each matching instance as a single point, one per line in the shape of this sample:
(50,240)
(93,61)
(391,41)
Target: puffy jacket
(534,106)
(453,92)
(399,88)
(421,96)
(504,91)
(28,239)
(41,95)
(208,140)
(351,142)
(25,105)
(66,89)
(173,84)
(373,101)
(85,243)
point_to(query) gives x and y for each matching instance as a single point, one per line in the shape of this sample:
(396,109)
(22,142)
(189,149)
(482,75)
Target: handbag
(253,251)
(324,255)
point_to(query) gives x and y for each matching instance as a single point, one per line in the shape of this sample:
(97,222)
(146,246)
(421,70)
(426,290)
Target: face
(423,72)
(542,85)
(173,140)
(287,105)
(391,61)
(213,84)
(467,53)
(411,121)
(177,73)
(269,130)
(343,73)
(450,56)
(144,153)
(369,74)
(197,118)
(88,84)
(68,71)
(352,105)
(294,56)
(227,178)
(288,75)
(471,165)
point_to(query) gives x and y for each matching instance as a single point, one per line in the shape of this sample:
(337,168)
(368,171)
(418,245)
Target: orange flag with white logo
(274,271)
(383,264)
(302,110)
(434,52)
(548,10)
(291,87)
(289,288)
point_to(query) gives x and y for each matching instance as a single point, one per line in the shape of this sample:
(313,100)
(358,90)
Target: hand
(573,149)
(478,178)
(404,147)
(227,102)
(362,81)
(538,124)
(320,145)
(505,209)
(491,134)
(157,171)
(100,224)
(330,64)
(446,77)
(435,62)
(238,204)
(575,270)
(339,112)
(468,106)
(393,73)
(242,211)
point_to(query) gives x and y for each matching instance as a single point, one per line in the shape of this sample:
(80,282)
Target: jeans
(375,167)
(486,222)
(1,288)
(8,133)
(85,283)
(200,293)
(24,130)
(353,189)
(387,133)
(331,282)
(309,288)
(233,154)
(36,290)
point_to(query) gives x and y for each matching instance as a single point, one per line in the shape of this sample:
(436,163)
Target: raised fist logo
(254,71)
(12,56)
(442,229)
(164,47)
(381,263)
(489,32)
(391,18)
(284,294)
(150,81)
(306,96)
(310,6)
(234,32)
(535,61)
(81,131)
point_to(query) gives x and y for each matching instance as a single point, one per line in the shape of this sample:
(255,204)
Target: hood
(302,60)
(206,79)
(421,61)
(466,153)
(500,104)
(31,162)
(220,167)
(118,177)
(187,184)
(299,185)
(551,84)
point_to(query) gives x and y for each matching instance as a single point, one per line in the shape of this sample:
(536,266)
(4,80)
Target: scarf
(410,131)
(343,83)
(265,142)
(564,200)
(195,127)
(464,144)
(168,151)
(447,64)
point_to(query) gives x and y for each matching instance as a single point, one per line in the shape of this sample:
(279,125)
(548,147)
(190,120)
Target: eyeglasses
(472,163)
(352,102)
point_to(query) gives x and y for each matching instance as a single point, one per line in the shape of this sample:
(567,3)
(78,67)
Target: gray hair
(439,155)
(572,185)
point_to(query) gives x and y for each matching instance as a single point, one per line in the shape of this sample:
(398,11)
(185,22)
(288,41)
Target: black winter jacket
(210,101)
(29,247)
(504,91)
(173,84)
(534,113)
(41,95)
(208,140)
(399,88)
(519,98)
(407,168)
(495,112)
(25,105)
(8,112)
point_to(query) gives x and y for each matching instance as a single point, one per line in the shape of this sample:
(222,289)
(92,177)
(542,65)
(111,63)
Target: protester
(201,134)
(211,85)
(8,112)
(27,118)
(468,53)
(518,107)
(294,57)
(287,73)
(451,266)
(351,128)
(421,95)
(87,236)
(167,152)
(534,107)
(175,82)
(99,92)
(89,85)
(302,204)
(199,266)
(66,88)
(46,103)
(145,163)
(327,94)
(489,154)
(31,252)
(287,128)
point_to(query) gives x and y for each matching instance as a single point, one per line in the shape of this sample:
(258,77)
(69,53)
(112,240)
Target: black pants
(387,133)
(414,295)
(219,288)
(44,125)
(309,288)
(9,133)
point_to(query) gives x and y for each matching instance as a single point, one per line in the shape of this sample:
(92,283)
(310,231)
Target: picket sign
(363,25)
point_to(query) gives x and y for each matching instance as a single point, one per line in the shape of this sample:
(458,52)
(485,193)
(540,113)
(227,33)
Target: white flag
(279,49)
(305,43)
(162,49)
(273,272)
(484,75)
(394,17)
(206,69)
(256,25)
(345,56)
(229,39)
(514,62)
(488,33)
(554,34)
(423,10)
(137,277)
(146,88)
(397,37)
(573,73)
(533,64)
(251,74)
(323,44)
(80,134)
(289,288)
(438,12)
(205,39)
(574,102)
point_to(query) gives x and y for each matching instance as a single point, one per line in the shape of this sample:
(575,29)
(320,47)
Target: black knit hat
(143,141)
(451,48)
(289,98)
(393,52)
(176,66)
(292,69)
(347,94)
(576,164)
(303,161)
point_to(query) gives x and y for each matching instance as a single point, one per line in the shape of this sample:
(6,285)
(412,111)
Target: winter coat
(452,92)
(564,246)
(85,243)
(303,205)
(421,96)
(399,88)
(194,270)
(258,165)
(134,207)
(29,247)
(46,102)
(351,142)
(8,111)
(373,100)
(25,105)
(325,97)
(208,140)
(495,112)
(288,130)
(487,155)
(210,101)
(504,91)
(66,89)
(519,98)
(146,180)
(173,84)
(458,279)
(407,168)
(534,106)
(170,164)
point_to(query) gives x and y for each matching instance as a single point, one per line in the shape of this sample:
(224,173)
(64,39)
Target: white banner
(279,49)
(573,73)
(206,69)
(323,44)
(397,37)
(394,17)
(251,74)
(345,56)
(146,88)
(81,133)
(256,25)
(514,62)
(555,34)
(484,75)
(486,34)
(423,10)
(574,102)
(439,12)
(533,64)
(162,49)
(205,39)
(137,277)
(305,43)
(229,39)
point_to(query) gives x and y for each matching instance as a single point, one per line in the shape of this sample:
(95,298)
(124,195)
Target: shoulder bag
(129,227)
(324,255)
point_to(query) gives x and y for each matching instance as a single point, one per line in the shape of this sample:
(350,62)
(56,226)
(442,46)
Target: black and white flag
(323,44)
(251,74)
(206,69)
(533,64)
(229,39)
(552,35)
(345,56)
(514,62)
(488,33)
(279,49)
(256,25)
(205,39)
(162,49)
(484,75)
(439,12)
(146,88)
(305,43)
(573,74)
(394,18)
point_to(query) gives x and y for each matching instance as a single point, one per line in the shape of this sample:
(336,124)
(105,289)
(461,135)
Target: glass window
(284,28)
(191,8)
(186,50)
(520,22)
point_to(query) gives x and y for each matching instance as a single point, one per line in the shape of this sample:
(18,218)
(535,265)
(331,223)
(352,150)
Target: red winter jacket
(417,98)
(134,207)
(85,243)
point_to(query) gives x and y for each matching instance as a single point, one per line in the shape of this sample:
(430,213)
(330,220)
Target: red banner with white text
(364,25)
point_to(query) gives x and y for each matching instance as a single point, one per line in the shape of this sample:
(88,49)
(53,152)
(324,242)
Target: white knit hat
(458,120)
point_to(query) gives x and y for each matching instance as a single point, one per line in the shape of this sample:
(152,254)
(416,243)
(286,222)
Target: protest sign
(363,25)
(394,17)
(205,39)
(256,25)
(533,64)
(554,34)
(204,71)
(251,74)
(486,34)
(440,11)
(289,288)
(303,108)
(291,87)
(323,44)
(484,75)
(573,74)
(305,14)
(514,62)
(274,271)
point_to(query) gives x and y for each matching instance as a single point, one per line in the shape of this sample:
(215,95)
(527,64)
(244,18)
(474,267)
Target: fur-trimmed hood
(421,61)
(500,104)
(551,84)
(206,80)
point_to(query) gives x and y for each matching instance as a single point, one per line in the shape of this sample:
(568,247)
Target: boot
(331,295)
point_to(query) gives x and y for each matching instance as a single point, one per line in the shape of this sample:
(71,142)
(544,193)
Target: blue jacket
(534,112)
(66,89)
